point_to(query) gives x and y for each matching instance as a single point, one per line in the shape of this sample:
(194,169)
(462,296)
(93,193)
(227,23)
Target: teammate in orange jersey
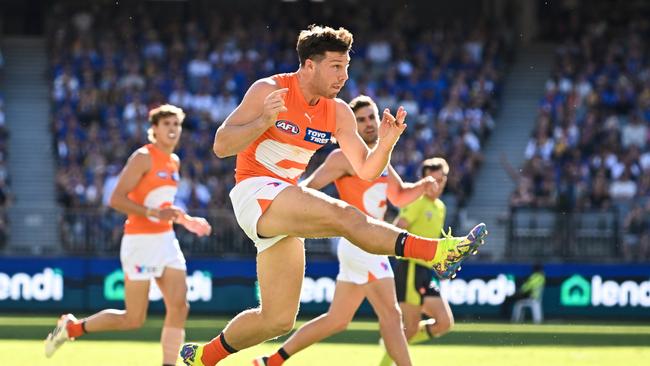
(145,192)
(279,124)
(361,274)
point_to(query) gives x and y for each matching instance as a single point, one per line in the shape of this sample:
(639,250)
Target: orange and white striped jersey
(368,196)
(283,151)
(156,189)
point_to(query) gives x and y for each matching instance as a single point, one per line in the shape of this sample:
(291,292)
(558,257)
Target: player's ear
(310,64)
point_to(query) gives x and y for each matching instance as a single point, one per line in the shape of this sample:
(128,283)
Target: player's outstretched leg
(319,216)
(452,251)
(59,334)
(191,354)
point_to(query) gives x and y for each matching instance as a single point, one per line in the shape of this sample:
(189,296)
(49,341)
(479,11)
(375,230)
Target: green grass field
(484,344)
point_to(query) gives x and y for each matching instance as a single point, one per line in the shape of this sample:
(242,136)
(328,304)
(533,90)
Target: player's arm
(401,194)
(334,167)
(138,165)
(194,224)
(254,115)
(367,164)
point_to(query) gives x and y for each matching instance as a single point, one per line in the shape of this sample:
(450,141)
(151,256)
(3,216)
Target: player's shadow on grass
(461,338)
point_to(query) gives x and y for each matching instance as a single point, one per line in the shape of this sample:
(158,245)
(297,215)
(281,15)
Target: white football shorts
(250,198)
(145,256)
(360,267)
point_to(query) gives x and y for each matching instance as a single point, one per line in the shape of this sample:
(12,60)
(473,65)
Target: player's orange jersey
(283,151)
(369,197)
(156,189)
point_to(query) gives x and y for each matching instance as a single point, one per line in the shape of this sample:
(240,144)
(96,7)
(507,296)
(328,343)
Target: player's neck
(310,97)
(164,148)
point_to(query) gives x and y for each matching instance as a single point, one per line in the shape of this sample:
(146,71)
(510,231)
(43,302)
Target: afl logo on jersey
(162,174)
(287,127)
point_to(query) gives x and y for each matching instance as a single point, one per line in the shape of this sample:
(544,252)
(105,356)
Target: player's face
(368,123)
(331,73)
(168,130)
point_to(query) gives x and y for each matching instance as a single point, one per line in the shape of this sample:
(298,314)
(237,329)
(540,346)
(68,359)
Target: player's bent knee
(451,322)
(348,219)
(340,325)
(279,323)
(444,324)
(132,323)
(282,326)
(179,309)
(392,313)
(410,331)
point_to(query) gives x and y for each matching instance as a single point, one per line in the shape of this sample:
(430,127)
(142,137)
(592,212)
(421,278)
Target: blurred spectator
(624,187)
(112,175)
(636,238)
(523,196)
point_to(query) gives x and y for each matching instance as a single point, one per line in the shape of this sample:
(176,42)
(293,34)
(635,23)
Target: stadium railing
(98,231)
(535,233)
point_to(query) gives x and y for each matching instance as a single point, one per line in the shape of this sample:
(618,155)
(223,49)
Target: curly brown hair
(314,41)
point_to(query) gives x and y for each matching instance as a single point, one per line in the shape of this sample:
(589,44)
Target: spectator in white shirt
(635,133)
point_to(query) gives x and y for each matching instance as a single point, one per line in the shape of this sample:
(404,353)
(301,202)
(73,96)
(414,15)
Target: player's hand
(166,214)
(431,185)
(198,226)
(273,105)
(391,127)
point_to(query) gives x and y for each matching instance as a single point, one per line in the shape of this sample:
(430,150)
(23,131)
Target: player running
(361,274)
(417,293)
(278,126)
(145,192)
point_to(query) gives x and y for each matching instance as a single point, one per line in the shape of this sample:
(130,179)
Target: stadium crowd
(109,68)
(593,130)
(5,192)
